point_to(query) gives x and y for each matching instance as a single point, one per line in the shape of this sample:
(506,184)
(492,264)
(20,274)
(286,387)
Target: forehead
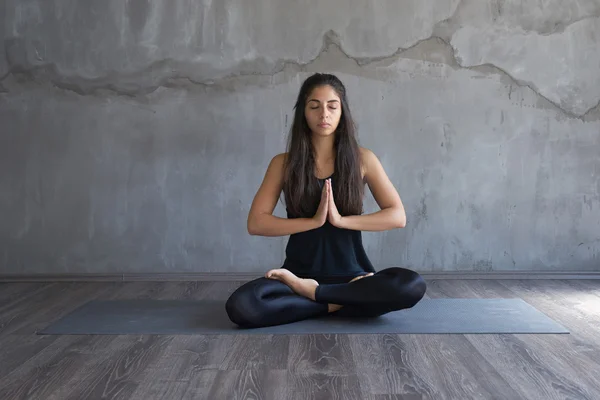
(323,94)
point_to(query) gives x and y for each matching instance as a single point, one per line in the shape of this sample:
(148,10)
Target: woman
(322,176)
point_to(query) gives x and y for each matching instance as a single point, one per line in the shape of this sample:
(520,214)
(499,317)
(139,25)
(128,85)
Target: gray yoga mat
(201,317)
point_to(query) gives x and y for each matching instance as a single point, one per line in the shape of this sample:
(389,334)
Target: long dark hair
(301,187)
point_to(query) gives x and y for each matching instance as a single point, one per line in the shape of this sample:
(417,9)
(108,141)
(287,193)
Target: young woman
(322,176)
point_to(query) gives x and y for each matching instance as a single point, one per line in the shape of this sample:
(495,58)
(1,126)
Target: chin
(323,131)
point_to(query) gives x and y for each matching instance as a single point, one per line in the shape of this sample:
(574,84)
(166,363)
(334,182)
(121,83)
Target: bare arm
(261,220)
(392,214)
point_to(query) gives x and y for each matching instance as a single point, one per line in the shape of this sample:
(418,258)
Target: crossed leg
(281,297)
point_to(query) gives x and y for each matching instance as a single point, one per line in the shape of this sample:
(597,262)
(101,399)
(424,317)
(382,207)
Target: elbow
(401,219)
(253,230)
(251,226)
(254,225)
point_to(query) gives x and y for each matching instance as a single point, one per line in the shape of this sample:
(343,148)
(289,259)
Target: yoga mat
(202,317)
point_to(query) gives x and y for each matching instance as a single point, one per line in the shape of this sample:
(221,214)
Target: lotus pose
(322,176)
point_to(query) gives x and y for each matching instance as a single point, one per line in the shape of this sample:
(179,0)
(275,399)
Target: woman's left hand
(333,216)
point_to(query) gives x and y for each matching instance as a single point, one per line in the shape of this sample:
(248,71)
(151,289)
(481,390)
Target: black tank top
(327,252)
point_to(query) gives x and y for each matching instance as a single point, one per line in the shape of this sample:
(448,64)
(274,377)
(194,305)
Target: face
(323,110)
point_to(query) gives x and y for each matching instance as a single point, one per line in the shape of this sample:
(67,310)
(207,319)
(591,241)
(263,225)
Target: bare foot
(362,276)
(333,307)
(303,287)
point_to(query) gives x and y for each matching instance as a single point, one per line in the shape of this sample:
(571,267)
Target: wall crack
(129,85)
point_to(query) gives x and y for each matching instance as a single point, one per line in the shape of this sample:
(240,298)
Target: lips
(323,125)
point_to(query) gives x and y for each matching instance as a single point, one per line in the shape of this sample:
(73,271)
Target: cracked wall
(135,133)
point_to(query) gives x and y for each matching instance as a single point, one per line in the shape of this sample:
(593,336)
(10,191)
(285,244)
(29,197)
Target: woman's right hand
(321,215)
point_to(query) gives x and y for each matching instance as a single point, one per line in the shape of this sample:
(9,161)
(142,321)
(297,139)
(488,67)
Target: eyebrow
(329,101)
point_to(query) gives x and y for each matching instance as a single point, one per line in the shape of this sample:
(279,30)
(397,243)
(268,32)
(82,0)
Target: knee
(232,307)
(239,308)
(410,284)
(418,289)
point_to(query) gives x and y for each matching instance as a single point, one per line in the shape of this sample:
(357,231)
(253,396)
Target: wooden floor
(549,366)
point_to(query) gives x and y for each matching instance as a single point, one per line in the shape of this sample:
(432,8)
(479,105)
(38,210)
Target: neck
(323,146)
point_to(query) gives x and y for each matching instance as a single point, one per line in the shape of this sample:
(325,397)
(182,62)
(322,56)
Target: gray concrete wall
(134,134)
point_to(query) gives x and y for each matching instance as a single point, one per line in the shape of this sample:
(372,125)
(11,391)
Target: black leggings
(268,302)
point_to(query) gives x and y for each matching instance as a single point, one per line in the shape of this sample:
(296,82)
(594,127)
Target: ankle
(333,307)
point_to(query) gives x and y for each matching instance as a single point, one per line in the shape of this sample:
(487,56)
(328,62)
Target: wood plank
(66,300)
(175,386)
(49,304)
(18,291)
(49,371)
(321,367)
(86,380)
(573,310)
(87,358)
(118,376)
(396,397)
(95,366)
(321,386)
(329,354)
(545,372)
(247,384)
(187,369)
(16,350)
(591,286)
(300,366)
(534,372)
(256,351)
(60,358)
(400,368)
(22,307)
(403,368)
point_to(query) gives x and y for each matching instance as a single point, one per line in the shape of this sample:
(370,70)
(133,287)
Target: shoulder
(279,160)
(277,165)
(366,154)
(368,159)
